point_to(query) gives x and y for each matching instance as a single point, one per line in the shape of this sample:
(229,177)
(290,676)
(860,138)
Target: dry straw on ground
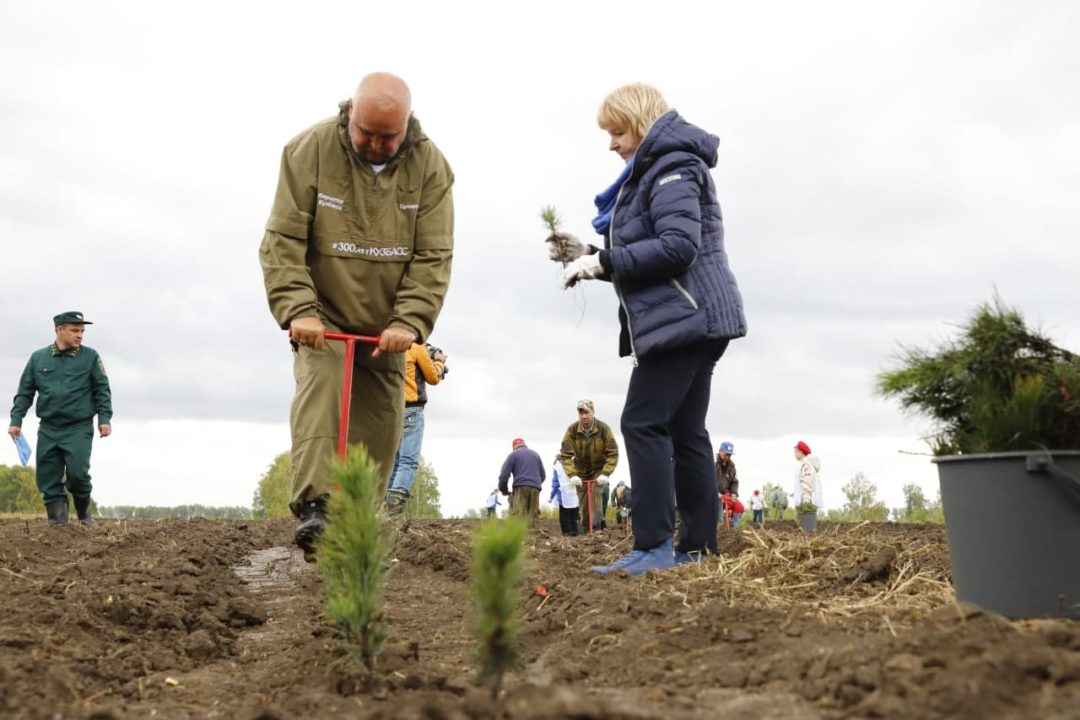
(821,573)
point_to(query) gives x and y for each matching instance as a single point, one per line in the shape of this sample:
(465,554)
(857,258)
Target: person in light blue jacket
(679,306)
(492,503)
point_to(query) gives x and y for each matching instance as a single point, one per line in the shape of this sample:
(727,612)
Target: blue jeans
(408,454)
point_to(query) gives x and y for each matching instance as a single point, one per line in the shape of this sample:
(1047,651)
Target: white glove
(603,480)
(575,481)
(564,247)
(585,267)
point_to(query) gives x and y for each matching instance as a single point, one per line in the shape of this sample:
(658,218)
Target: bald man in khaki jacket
(359,240)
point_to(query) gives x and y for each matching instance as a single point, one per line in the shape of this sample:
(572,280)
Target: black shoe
(313,517)
(82,509)
(57,511)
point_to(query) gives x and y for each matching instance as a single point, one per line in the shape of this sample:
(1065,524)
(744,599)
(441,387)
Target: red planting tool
(589,483)
(346,382)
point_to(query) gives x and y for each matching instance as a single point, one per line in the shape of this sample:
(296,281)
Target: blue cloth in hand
(23,447)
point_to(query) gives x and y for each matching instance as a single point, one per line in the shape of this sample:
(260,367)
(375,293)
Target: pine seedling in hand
(562,247)
(551,218)
(498,569)
(352,556)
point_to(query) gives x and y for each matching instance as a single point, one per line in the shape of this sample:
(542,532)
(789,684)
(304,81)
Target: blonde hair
(632,107)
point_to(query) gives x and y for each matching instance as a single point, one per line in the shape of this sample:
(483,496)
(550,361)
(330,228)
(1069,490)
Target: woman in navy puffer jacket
(679,305)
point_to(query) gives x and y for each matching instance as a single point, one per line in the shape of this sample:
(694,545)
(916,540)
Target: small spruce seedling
(351,557)
(498,569)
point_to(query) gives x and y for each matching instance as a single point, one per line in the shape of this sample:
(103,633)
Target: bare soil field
(213,619)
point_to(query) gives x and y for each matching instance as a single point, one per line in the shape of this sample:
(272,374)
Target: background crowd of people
(590,439)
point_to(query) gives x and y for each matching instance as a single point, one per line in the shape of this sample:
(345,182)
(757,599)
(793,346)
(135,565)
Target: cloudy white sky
(883,168)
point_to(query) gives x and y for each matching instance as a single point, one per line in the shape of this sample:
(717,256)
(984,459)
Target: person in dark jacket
(726,478)
(527,469)
(679,306)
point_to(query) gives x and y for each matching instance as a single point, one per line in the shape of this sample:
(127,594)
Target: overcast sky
(883,168)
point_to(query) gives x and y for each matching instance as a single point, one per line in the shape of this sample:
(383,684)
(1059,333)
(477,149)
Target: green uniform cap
(71,317)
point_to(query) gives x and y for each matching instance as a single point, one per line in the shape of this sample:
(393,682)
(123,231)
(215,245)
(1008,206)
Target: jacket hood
(413,134)
(671,133)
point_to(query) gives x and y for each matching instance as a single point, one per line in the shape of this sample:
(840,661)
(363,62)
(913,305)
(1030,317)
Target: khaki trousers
(525,502)
(375,414)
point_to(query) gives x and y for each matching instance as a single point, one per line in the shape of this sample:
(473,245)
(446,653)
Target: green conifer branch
(498,569)
(352,556)
(551,218)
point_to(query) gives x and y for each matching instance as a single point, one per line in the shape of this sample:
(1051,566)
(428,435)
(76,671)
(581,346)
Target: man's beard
(362,154)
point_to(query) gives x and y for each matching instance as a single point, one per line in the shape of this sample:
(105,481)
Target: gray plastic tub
(1013,521)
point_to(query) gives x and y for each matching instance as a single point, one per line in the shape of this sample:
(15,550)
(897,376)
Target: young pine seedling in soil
(498,570)
(352,557)
(562,247)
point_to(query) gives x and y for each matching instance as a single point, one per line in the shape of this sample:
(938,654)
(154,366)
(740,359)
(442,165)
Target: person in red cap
(527,469)
(807,479)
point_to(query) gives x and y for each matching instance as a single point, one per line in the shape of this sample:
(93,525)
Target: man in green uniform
(359,240)
(589,452)
(71,386)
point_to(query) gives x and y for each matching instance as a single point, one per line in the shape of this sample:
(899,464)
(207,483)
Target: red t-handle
(346,383)
(350,354)
(588,494)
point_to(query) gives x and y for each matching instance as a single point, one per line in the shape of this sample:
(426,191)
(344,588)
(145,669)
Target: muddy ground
(209,619)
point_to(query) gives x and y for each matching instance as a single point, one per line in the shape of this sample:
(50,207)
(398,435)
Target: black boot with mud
(396,501)
(57,511)
(313,520)
(82,509)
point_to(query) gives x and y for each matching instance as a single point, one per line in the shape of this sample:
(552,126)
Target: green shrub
(998,387)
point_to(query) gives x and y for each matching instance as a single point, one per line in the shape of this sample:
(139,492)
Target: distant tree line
(19,494)
(274,491)
(185,512)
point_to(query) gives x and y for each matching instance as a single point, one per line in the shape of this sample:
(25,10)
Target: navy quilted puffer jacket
(664,249)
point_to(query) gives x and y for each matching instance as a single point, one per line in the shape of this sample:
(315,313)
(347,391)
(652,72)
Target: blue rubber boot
(661,557)
(632,557)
